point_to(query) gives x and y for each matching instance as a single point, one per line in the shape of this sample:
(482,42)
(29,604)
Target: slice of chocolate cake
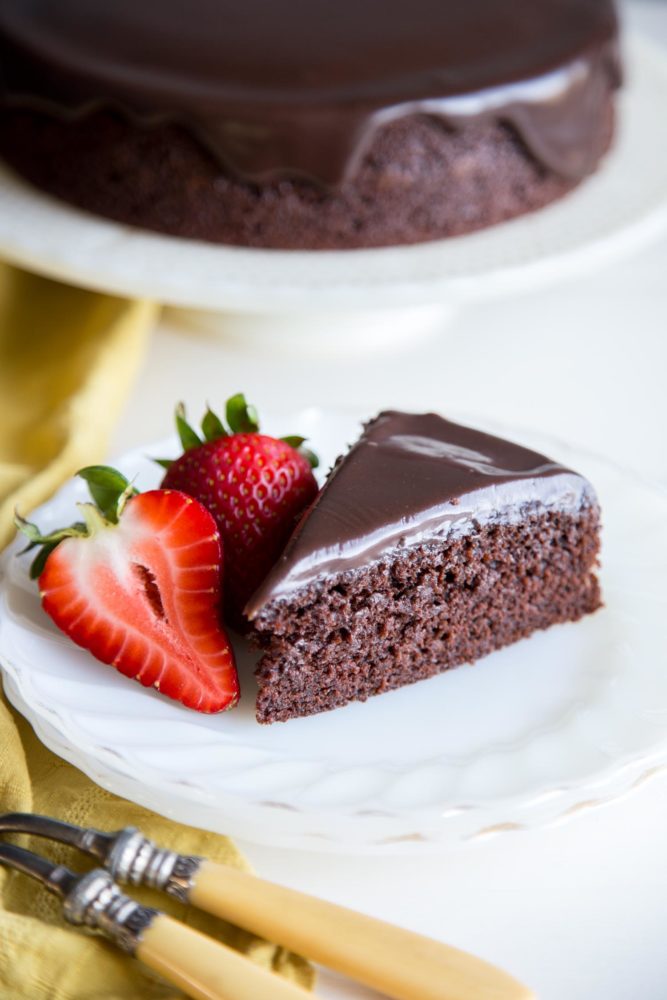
(430,545)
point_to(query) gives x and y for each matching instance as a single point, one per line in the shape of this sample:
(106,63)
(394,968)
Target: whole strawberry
(137,583)
(255,486)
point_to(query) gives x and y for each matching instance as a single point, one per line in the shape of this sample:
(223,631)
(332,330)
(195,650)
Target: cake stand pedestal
(349,332)
(328,302)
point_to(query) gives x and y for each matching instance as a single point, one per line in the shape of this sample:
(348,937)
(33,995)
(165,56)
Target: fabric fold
(68,358)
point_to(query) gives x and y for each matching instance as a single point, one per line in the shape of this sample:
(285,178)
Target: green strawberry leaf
(30,530)
(189,437)
(242,418)
(310,457)
(166,463)
(296,442)
(107,488)
(39,562)
(212,426)
(47,542)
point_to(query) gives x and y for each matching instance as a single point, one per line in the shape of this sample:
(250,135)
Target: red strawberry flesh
(143,595)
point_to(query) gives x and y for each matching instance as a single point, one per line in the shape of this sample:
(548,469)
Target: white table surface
(577,911)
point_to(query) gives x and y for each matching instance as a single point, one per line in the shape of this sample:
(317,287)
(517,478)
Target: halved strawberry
(137,583)
(256,487)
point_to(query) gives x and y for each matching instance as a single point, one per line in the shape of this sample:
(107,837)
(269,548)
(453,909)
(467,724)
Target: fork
(397,962)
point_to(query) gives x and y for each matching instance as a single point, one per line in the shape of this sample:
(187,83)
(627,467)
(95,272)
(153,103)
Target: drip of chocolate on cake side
(430,545)
(301,124)
(301,87)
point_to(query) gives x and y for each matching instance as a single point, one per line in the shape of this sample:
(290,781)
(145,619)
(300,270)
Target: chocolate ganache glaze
(298,88)
(412,479)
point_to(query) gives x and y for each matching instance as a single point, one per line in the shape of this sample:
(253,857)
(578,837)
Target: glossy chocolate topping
(289,87)
(414,478)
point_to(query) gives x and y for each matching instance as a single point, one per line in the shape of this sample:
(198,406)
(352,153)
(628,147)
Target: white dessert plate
(567,718)
(619,208)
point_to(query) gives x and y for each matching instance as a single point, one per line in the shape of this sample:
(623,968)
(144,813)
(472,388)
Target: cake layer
(424,610)
(417,181)
(411,479)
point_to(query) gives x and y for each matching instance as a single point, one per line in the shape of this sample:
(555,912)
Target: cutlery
(399,963)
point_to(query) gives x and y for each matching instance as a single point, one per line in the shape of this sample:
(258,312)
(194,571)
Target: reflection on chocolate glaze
(297,87)
(415,478)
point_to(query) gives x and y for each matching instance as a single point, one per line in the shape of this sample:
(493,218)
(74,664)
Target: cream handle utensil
(202,967)
(207,970)
(397,962)
(401,964)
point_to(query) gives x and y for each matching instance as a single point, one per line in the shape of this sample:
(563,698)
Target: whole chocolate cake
(430,545)
(301,124)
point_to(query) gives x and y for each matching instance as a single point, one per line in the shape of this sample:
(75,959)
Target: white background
(580,910)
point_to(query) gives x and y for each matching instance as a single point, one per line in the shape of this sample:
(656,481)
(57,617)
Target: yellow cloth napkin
(67,360)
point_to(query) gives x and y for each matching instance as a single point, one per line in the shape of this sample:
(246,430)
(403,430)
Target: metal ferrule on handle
(136,860)
(96,901)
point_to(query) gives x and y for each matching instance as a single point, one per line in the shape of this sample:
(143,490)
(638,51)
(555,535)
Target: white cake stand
(364,298)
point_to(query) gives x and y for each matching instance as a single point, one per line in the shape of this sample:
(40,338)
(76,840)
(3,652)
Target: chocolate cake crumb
(431,608)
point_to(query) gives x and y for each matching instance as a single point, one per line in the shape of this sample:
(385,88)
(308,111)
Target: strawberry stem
(93,518)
